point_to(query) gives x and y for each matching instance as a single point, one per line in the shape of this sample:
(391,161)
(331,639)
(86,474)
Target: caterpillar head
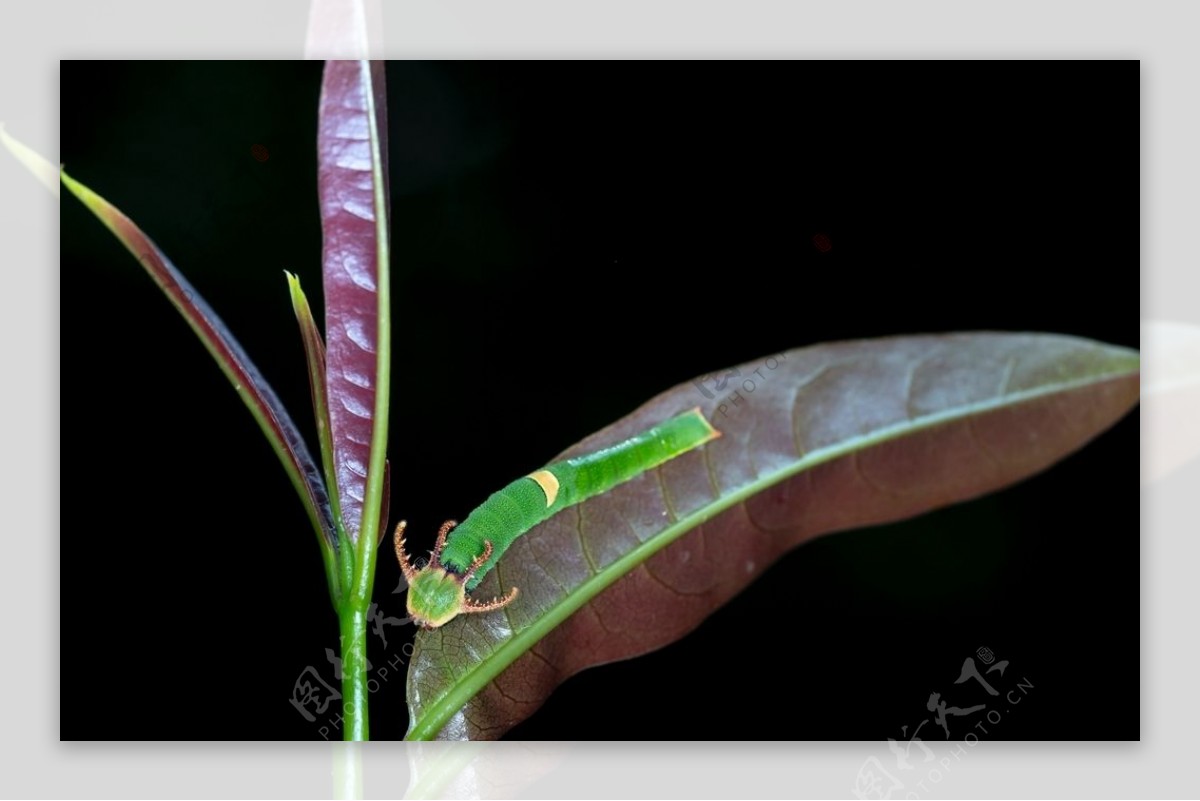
(437,595)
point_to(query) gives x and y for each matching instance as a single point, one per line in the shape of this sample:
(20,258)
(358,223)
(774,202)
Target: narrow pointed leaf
(253,389)
(352,182)
(834,437)
(314,352)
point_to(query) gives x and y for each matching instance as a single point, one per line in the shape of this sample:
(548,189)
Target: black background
(570,239)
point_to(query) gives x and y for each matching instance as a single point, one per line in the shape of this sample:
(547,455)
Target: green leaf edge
(368,532)
(106,212)
(438,714)
(314,355)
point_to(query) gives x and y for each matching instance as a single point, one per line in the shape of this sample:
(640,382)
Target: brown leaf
(816,440)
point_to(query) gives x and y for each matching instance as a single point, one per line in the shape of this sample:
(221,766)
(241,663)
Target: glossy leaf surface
(822,439)
(352,185)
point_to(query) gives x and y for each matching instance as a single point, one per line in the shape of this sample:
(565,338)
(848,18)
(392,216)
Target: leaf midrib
(440,711)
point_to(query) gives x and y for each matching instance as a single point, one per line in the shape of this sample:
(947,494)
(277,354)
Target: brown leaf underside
(352,101)
(815,398)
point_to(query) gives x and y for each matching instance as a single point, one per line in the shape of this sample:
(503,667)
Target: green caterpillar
(437,593)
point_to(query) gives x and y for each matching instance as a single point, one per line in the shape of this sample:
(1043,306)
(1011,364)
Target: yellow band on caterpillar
(548,483)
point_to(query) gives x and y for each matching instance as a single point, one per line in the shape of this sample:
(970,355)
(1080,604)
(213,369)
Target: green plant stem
(357,562)
(353,620)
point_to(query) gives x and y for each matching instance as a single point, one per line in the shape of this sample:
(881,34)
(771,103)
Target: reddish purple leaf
(837,436)
(352,182)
